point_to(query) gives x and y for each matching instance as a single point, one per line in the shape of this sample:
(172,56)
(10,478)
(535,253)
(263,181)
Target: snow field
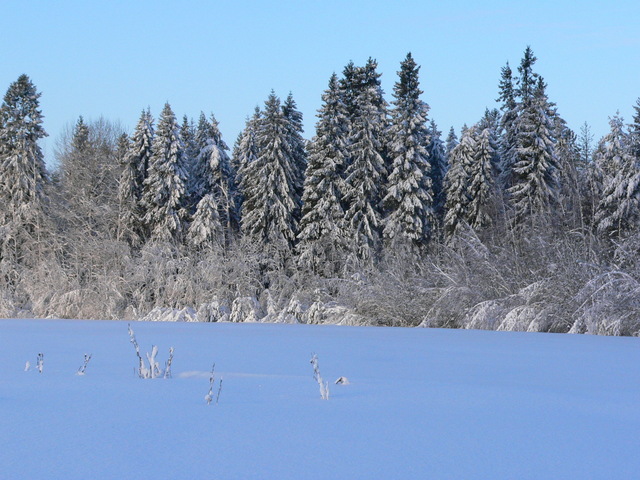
(422,403)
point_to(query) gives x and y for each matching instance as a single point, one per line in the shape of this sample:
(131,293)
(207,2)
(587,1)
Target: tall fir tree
(164,196)
(245,152)
(482,207)
(131,226)
(206,231)
(367,170)
(457,183)
(271,202)
(617,212)
(295,141)
(634,131)
(451,142)
(322,241)
(409,195)
(507,131)
(438,163)
(214,175)
(535,184)
(23,175)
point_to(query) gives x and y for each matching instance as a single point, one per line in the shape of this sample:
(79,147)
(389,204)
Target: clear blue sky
(116,58)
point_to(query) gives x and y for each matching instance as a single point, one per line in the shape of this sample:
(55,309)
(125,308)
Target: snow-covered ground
(421,403)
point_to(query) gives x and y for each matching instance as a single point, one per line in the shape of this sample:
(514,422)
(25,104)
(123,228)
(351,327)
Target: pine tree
(131,226)
(457,183)
(271,203)
(535,183)
(409,197)
(321,239)
(164,193)
(367,171)
(617,211)
(23,175)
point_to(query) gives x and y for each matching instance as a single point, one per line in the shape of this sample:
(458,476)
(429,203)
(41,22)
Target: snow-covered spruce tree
(321,241)
(271,202)
(164,193)
(457,182)
(569,177)
(451,142)
(245,152)
(190,153)
(296,143)
(213,175)
(507,130)
(131,226)
(535,185)
(634,131)
(366,172)
(481,209)
(409,196)
(206,230)
(23,175)
(617,211)
(438,162)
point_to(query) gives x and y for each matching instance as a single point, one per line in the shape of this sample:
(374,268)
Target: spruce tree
(164,195)
(617,211)
(535,185)
(321,238)
(271,201)
(451,142)
(214,174)
(634,131)
(294,139)
(23,175)
(438,163)
(366,172)
(131,226)
(507,131)
(481,209)
(206,230)
(457,183)
(409,195)
(244,154)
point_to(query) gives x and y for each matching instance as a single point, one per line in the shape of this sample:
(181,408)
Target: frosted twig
(209,396)
(83,368)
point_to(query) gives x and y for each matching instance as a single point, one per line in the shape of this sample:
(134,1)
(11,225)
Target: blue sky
(116,58)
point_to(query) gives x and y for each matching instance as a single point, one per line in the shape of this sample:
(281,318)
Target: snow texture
(422,403)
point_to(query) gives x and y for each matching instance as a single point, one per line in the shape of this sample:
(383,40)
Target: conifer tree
(23,175)
(164,193)
(206,230)
(190,153)
(451,142)
(409,194)
(366,171)
(535,185)
(617,211)
(507,131)
(214,175)
(131,226)
(321,238)
(294,139)
(244,154)
(481,208)
(438,163)
(457,183)
(634,131)
(271,202)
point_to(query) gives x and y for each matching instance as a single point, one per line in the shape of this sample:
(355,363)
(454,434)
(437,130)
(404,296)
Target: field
(420,403)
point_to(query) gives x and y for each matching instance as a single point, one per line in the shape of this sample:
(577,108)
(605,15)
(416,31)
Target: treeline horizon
(517,224)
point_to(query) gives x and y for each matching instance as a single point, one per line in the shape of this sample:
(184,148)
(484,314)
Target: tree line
(517,224)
